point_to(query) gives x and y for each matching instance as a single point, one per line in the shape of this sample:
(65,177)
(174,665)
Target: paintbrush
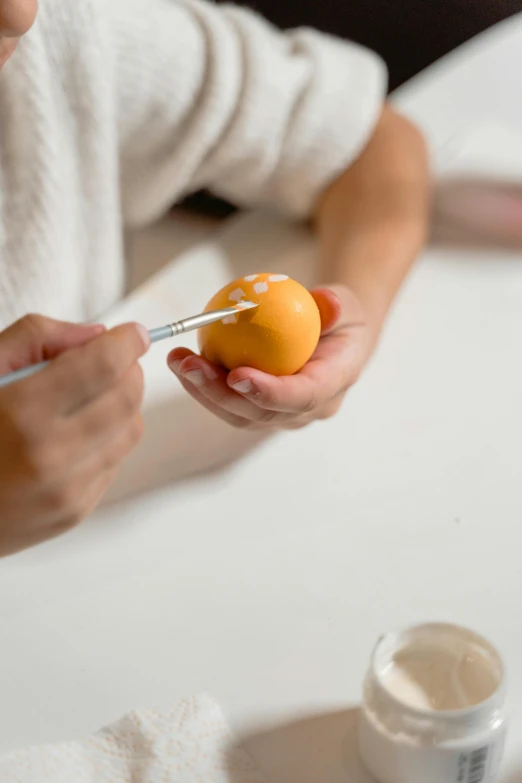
(160,333)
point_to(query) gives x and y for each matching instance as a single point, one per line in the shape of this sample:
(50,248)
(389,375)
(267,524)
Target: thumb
(339,308)
(35,338)
(335,305)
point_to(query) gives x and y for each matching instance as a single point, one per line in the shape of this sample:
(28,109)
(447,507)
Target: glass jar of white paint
(434,708)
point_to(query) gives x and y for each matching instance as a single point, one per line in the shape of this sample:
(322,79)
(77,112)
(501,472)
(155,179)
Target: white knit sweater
(111,110)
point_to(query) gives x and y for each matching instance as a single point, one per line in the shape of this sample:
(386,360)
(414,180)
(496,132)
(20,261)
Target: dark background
(408,34)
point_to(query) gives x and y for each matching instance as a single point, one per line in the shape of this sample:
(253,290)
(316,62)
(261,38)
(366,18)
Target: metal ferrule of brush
(196,322)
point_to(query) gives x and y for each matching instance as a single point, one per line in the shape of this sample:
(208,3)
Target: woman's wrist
(373,221)
(374,264)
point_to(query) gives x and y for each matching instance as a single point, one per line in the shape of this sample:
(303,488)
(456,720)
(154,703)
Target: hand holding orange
(247,396)
(277,337)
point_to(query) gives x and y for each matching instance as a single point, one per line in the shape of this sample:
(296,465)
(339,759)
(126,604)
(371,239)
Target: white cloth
(189,744)
(111,110)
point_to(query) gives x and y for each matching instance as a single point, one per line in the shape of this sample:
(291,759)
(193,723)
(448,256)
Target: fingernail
(195,377)
(243,387)
(174,365)
(210,374)
(143,333)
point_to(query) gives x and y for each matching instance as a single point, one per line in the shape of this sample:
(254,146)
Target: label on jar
(480,765)
(396,759)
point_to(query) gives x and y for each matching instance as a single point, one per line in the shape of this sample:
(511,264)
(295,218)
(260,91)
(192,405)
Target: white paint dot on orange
(249,278)
(230,319)
(277,278)
(236,295)
(260,288)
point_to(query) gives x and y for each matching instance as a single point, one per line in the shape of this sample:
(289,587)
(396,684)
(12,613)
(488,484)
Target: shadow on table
(181,440)
(316,749)
(477,214)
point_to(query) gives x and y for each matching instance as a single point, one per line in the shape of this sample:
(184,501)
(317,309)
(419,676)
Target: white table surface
(268,581)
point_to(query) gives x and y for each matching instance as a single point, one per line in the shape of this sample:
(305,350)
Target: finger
(259,419)
(35,338)
(115,451)
(76,493)
(97,423)
(17,18)
(176,356)
(325,376)
(74,503)
(174,361)
(78,376)
(95,492)
(221,413)
(91,479)
(211,383)
(78,502)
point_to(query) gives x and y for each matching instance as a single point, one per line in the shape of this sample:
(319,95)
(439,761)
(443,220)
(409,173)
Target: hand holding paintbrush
(69,420)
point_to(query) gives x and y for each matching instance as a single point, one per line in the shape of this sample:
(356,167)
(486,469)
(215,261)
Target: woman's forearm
(373,220)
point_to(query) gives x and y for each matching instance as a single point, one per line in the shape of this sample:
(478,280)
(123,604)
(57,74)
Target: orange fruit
(278,337)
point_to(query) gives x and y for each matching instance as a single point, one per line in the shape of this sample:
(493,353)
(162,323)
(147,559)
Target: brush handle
(161,333)
(157,334)
(19,375)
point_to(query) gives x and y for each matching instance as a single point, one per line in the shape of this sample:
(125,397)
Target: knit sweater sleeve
(213,96)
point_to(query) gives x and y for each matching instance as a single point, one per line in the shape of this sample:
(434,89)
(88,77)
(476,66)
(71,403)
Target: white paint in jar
(434,707)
